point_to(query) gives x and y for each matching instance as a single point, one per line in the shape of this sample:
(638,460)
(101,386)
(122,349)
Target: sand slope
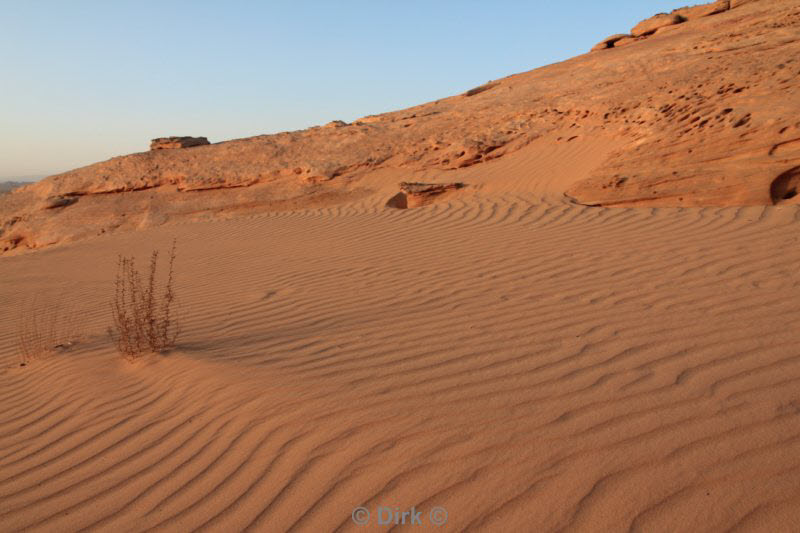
(510,356)
(526,362)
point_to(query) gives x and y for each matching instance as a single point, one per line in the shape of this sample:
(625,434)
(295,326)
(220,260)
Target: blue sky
(83,81)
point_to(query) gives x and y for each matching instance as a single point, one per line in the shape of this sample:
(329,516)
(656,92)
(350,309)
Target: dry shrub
(46,325)
(144,309)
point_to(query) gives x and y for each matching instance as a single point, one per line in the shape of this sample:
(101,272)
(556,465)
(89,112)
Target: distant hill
(6,186)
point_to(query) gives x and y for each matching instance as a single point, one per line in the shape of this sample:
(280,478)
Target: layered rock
(173,143)
(414,194)
(609,42)
(54,202)
(704,113)
(704,10)
(664,22)
(649,26)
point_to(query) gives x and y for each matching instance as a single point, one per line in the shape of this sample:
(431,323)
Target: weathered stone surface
(413,194)
(706,116)
(173,143)
(429,189)
(648,26)
(625,41)
(481,88)
(786,187)
(53,202)
(609,42)
(704,10)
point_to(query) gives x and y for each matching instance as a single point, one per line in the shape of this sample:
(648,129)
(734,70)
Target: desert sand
(544,348)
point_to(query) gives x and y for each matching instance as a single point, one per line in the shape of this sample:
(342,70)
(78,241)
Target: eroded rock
(705,10)
(706,116)
(785,188)
(57,201)
(649,26)
(173,143)
(609,42)
(415,194)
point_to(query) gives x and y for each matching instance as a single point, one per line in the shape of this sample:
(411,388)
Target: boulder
(609,42)
(704,10)
(649,26)
(336,124)
(418,194)
(172,143)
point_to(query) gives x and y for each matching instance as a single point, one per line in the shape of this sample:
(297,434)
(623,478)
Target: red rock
(625,41)
(704,117)
(418,194)
(59,201)
(649,26)
(172,143)
(609,42)
(704,10)
(482,88)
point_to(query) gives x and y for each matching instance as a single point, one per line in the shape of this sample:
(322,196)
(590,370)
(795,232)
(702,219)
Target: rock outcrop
(54,202)
(173,143)
(609,42)
(413,194)
(702,113)
(705,10)
(649,26)
(665,21)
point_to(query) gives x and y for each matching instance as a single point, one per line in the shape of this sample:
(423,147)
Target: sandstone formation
(481,88)
(609,42)
(705,10)
(662,23)
(53,202)
(701,113)
(786,186)
(172,143)
(649,26)
(414,194)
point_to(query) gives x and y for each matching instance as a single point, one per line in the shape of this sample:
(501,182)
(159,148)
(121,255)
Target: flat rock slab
(414,194)
(54,202)
(704,10)
(609,42)
(428,189)
(172,143)
(649,26)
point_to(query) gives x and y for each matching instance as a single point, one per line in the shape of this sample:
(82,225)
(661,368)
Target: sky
(83,81)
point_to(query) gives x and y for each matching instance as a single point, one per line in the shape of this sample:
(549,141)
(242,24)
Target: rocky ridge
(706,108)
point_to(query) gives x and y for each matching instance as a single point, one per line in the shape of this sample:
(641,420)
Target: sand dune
(521,360)
(514,360)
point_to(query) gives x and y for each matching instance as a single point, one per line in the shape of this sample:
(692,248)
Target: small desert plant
(46,326)
(144,309)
